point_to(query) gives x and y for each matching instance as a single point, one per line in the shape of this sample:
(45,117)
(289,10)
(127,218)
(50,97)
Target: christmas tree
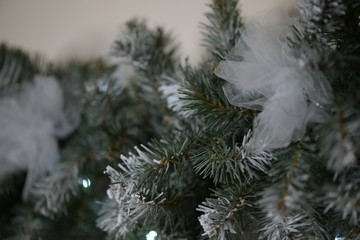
(258,141)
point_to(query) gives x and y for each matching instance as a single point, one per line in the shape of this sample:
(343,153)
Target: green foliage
(152,55)
(160,176)
(16,66)
(226,162)
(204,95)
(289,197)
(190,140)
(156,188)
(151,51)
(92,89)
(222,30)
(286,202)
(229,215)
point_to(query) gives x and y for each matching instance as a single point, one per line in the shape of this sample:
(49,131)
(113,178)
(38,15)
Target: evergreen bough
(174,148)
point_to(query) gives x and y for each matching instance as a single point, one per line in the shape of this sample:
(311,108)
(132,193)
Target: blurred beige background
(62,29)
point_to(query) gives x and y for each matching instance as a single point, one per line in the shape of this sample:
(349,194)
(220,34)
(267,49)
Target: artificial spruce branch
(285,188)
(344,197)
(16,65)
(340,140)
(278,143)
(54,192)
(288,198)
(153,55)
(205,98)
(222,30)
(159,177)
(150,50)
(229,215)
(226,162)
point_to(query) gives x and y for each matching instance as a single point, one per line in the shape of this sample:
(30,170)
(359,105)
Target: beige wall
(60,29)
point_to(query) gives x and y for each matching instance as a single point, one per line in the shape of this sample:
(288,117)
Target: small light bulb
(86,182)
(151,235)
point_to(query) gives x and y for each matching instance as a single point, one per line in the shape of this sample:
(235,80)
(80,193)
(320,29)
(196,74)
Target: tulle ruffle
(29,127)
(269,78)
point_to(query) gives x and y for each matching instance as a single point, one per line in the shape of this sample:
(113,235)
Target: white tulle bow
(262,74)
(30,124)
